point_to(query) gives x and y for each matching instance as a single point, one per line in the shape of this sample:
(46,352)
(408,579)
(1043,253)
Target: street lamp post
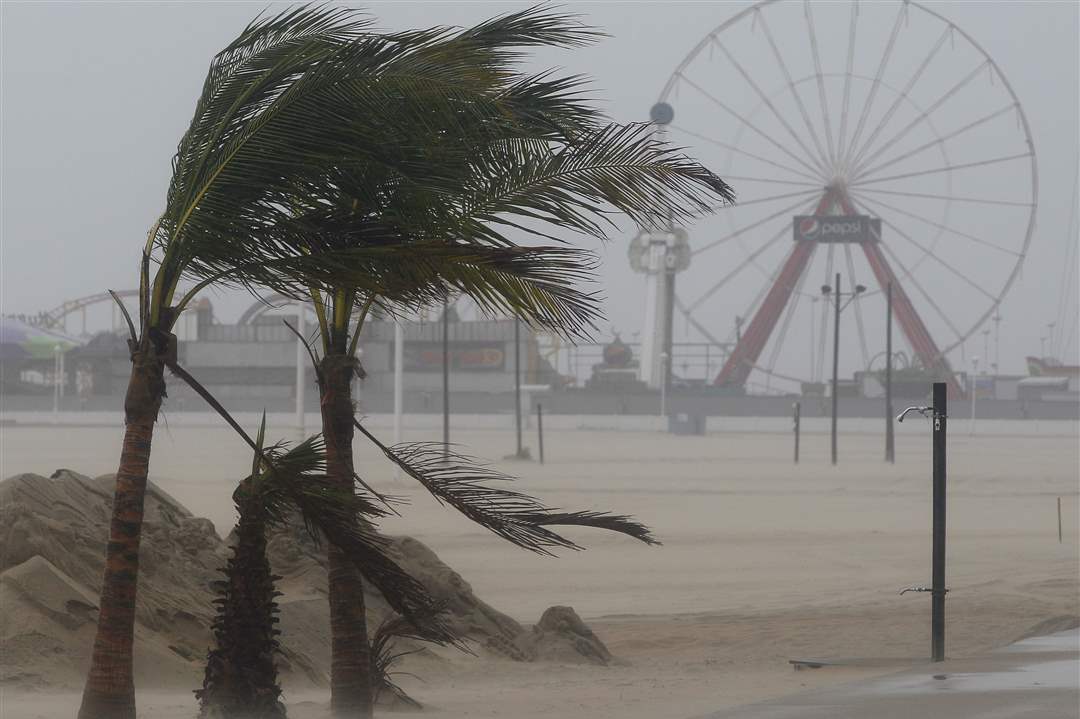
(890,439)
(974,390)
(837,295)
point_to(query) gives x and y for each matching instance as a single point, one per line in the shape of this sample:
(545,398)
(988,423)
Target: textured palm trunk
(351,692)
(240,681)
(110,688)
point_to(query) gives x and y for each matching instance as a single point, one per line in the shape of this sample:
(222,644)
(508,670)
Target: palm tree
(241,675)
(240,680)
(515,154)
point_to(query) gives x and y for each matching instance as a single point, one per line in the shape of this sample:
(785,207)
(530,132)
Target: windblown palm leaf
(466,485)
(296,482)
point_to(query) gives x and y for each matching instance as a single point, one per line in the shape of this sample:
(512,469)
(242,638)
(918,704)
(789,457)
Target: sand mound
(52,542)
(562,636)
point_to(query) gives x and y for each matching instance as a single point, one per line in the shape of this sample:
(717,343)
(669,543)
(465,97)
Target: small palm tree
(240,680)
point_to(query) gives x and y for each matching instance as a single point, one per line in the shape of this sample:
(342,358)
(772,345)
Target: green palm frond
(470,487)
(294,480)
(619,167)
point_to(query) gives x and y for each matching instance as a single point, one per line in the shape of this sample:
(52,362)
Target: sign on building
(837,228)
(464,356)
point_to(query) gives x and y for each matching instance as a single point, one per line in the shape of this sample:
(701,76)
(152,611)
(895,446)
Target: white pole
(56,384)
(399,376)
(301,359)
(664,359)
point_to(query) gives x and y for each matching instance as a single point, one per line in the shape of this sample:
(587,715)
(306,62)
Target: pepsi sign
(837,228)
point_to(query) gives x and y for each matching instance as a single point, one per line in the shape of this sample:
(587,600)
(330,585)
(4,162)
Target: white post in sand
(56,384)
(399,372)
(301,360)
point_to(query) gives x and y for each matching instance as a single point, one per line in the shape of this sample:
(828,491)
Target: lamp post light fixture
(837,295)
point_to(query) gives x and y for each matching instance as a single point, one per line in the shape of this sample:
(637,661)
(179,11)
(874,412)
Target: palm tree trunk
(350,665)
(110,688)
(240,681)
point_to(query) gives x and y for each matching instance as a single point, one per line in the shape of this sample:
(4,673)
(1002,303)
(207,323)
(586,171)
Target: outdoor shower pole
(835,365)
(937,596)
(890,439)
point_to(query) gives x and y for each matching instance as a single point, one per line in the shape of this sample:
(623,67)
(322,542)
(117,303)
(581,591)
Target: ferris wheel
(876,140)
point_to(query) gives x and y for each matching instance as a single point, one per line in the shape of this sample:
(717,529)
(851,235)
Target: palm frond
(297,481)
(619,167)
(466,485)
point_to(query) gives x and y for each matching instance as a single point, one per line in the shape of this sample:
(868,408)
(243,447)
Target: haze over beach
(615,360)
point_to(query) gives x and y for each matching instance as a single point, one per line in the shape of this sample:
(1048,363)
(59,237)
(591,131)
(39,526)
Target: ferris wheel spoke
(739,268)
(925,114)
(774,198)
(773,181)
(681,306)
(861,170)
(855,301)
(769,104)
(740,151)
(883,121)
(938,225)
(786,323)
(925,295)
(885,56)
(910,276)
(930,253)
(947,198)
(791,86)
(820,81)
(943,168)
(731,111)
(854,12)
(747,228)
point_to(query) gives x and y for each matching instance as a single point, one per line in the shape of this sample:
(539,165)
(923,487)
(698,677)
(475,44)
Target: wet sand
(763,561)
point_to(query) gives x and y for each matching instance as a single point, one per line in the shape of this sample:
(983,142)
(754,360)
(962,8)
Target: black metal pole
(517,382)
(446,379)
(937,596)
(540,429)
(835,365)
(890,439)
(796,409)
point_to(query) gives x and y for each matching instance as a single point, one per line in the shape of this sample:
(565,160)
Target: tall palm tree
(516,154)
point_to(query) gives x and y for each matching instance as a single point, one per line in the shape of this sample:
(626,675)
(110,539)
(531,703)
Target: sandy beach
(762,561)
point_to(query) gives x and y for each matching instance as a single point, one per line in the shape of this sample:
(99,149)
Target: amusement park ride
(919,171)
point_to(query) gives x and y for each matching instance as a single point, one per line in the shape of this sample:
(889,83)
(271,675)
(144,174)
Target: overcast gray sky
(96,95)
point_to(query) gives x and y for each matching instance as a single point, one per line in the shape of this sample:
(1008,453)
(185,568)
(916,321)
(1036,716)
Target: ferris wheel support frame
(743,359)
